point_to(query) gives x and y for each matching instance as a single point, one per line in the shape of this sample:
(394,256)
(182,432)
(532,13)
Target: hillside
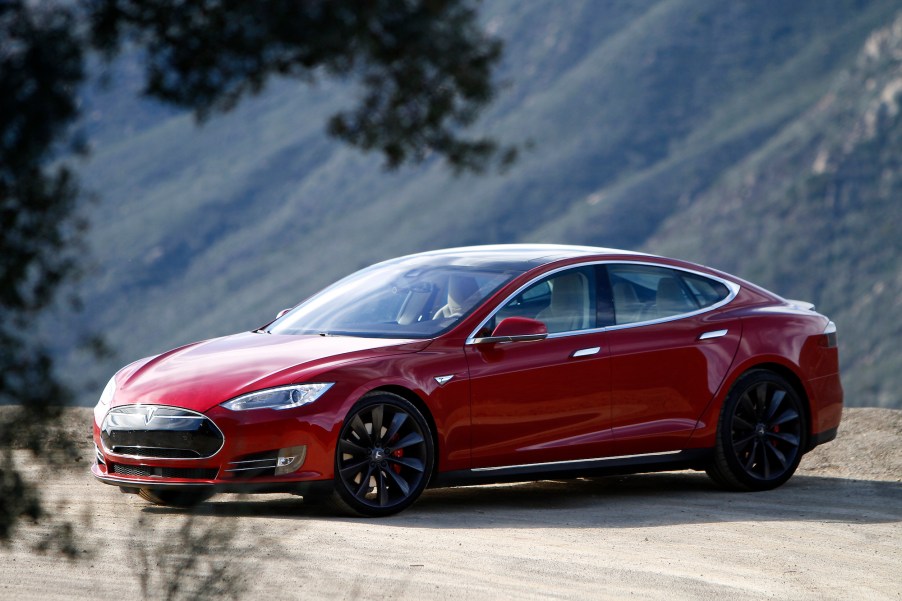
(827,192)
(645,122)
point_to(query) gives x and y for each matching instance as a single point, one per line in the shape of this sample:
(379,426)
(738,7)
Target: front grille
(156,452)
(254,465)
(160,432)
(147,471)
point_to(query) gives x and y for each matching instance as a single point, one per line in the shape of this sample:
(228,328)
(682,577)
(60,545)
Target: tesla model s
(477,365)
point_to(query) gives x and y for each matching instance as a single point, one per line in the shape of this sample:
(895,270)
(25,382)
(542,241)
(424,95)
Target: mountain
(743,135)
(817,214)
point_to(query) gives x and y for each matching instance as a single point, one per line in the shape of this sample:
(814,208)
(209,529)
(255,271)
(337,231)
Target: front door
(546,400)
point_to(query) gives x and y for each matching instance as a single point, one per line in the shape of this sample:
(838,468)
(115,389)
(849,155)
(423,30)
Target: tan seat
(627,308)
(462,293)
(569,307)
(670,299)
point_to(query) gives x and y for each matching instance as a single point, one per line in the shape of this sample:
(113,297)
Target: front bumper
(246,462)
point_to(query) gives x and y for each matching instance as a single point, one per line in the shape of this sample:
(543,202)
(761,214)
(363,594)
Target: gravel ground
(833,532)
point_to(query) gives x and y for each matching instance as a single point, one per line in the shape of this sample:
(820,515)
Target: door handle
(585,352)
(713,334)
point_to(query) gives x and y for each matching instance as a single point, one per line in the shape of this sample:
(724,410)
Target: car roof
(519,256)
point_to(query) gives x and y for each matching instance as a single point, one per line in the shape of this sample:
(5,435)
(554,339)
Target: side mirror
(516,329)
(283,312)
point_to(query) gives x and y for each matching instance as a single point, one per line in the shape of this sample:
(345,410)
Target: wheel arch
(707,426)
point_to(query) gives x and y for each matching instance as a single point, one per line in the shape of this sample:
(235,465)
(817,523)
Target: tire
(383,458)
(761,434)
(174,498)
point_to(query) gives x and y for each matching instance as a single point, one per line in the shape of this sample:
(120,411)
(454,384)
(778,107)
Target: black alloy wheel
(761,435)
(384,456)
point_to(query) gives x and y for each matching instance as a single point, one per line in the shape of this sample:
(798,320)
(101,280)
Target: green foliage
(40,62)
(424,67)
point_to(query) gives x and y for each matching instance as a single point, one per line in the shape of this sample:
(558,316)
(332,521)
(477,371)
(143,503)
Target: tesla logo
(148,415)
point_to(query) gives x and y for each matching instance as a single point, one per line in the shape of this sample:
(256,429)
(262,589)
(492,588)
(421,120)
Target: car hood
(201,375)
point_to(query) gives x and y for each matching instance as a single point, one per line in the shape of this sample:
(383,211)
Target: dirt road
(649,537)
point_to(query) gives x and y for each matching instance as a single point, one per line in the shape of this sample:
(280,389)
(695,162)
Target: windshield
(412,297)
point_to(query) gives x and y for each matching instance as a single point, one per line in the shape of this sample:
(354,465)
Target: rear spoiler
(803,305)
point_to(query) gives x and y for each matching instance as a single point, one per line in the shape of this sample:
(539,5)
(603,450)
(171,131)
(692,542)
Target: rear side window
(706,292)
(646,292)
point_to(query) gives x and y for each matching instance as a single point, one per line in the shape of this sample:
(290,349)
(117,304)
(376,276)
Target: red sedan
(482,364)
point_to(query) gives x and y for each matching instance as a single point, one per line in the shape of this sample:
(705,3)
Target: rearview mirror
(282,312)
(515,329)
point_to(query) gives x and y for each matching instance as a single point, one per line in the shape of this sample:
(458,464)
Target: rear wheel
(760,435)
(384,456)
(174,498)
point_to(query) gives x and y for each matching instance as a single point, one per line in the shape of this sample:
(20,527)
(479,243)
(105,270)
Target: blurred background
(760,138)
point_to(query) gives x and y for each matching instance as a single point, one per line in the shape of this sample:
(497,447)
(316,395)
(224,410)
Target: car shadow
(645,500)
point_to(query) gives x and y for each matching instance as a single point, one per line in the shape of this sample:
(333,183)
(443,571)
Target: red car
(482,364)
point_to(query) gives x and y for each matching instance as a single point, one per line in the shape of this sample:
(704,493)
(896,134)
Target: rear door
(670,349)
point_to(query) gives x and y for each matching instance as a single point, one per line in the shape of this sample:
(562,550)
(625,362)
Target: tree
(424,68)
(40,68)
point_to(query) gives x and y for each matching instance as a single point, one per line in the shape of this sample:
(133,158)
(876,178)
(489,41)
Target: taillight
(829,338)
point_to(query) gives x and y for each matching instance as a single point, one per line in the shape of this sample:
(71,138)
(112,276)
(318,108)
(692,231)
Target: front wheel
(384,456)
(761,434)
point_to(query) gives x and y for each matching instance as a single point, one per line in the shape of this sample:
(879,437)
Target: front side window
(564,302)
(646,292)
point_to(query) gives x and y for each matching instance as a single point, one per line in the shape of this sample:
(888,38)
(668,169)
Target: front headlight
(108,391)
(283,397)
